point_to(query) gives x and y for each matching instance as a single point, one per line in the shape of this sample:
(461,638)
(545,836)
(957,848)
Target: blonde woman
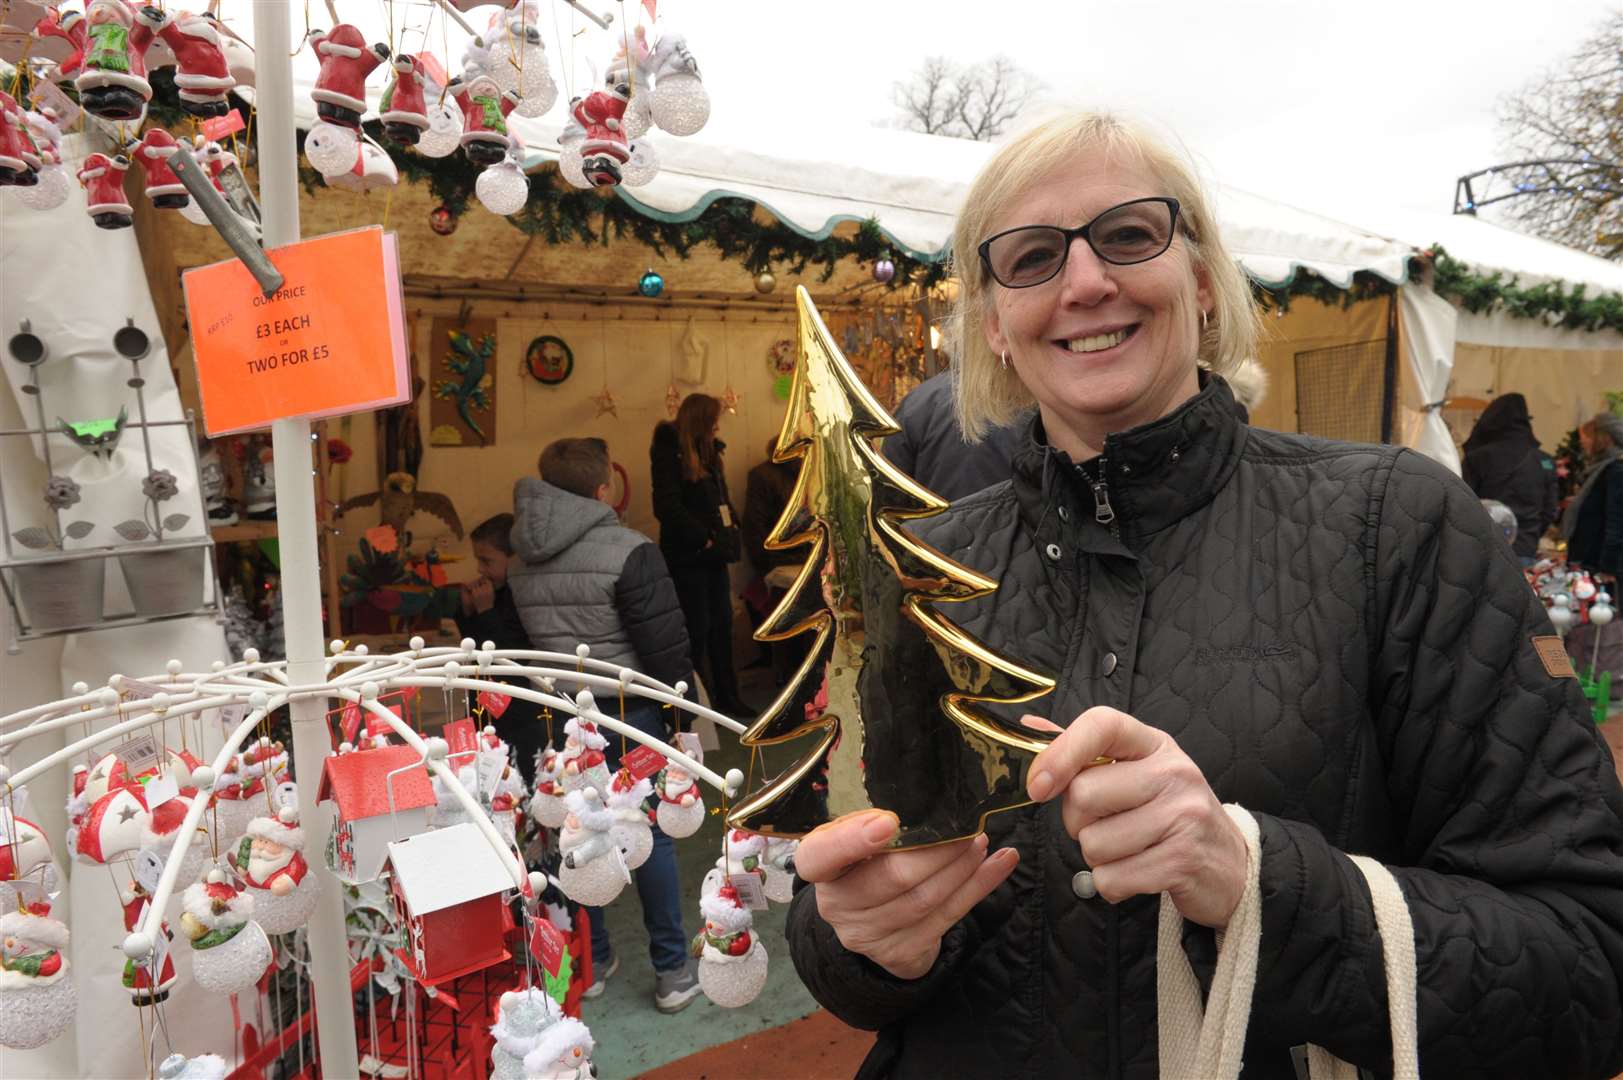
(1332,636)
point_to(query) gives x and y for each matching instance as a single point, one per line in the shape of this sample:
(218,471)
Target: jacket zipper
(1103,513)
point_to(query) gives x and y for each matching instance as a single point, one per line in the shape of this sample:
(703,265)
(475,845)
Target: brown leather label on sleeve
(1554,655)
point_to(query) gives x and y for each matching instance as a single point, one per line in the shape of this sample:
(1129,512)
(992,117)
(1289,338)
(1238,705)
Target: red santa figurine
(582,754)
(71,27)
(152,154)
(138,976)
(201,73)
(19,160)
(681,805)
(113,84)
(102,177)
(484,118)
(402,108)
(270,861)
(601,113)
(346,61)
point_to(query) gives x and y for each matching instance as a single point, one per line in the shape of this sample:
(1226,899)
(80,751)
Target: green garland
(1553,302)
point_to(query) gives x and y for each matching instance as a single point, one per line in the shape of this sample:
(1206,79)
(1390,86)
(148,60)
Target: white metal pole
(301,572)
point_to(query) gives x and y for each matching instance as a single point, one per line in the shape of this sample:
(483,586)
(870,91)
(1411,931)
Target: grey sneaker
(675,990)
(601,977)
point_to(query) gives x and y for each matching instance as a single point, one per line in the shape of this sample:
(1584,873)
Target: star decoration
(730,399)
(673,399)
(605,403)
(126,814)
(100,773)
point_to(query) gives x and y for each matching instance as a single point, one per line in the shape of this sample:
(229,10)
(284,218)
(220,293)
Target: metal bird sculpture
(400,499)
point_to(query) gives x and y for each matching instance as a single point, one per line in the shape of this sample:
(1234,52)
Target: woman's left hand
(1148,822)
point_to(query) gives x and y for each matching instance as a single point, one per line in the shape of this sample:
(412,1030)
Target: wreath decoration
(549,360)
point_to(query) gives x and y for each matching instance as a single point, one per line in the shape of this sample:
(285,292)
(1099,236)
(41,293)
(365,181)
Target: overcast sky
(1333,106)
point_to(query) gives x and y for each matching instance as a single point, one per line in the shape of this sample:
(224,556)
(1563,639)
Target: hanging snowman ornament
(547,807)
(681,804)
(732,961)
(202,1067)
(522,1018)
(229,949)
(632,832)
(594,869)
(679,103)
(37,999)
(1561,613)
(270,860)
(563,1052)
(518,60)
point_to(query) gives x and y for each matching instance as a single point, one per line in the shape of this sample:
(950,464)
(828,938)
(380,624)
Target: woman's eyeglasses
(1133,232)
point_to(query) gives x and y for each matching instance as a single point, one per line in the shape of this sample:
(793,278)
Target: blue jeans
(657,884)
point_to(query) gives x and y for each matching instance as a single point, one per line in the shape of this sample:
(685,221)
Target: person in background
(1593,521)
(931,449)
(766,493)
(1503,462)
(581,576)
(487,613)
(700,537)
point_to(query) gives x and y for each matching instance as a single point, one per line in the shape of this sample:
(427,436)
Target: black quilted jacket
(1340,640)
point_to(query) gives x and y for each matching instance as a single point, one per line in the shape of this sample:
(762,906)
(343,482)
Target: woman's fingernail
(980,842)
(880,829)
(1039,786)
(1007,855)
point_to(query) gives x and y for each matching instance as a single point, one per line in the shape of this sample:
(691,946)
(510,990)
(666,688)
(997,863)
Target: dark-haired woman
(699,536)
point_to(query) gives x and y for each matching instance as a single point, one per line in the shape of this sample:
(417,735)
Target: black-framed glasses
(1133,232)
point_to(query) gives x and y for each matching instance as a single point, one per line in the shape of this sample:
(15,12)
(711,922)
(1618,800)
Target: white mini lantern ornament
(331,149)
(518,60)
(50,192)
(732,962)
(270,860)
(444,133)
(1601,611)
(37,999)
(681,805)
(503,188)
(593,870)
(229,949)
(547,805)
(679,103)
(631,829)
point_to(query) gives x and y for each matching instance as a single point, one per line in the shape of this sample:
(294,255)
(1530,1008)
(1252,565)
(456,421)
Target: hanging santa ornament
(102,177)
(604,149)
(594,869)
(680,104)
(581,762)
(138,968)
(732,962)
(503,188)
(547,805)
(270,861)
(402,108)
(229,949)
(485,108)
(112,82)
(744,853)
(631,829)
(163,187)
(19,160)
(442,220)
(37,999)
(883,271)
(331,149)
(444,132)
(202,75)
(681,805)
(346,61)
(518,60)
(651,284)
(62,37)
(28,874)
(240,791)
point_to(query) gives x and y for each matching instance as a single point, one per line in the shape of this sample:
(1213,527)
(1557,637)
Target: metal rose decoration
(60,494)
(159,486)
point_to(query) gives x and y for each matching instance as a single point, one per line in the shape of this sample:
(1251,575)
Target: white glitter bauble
(536,89)
(284,914)
(679,822)
(595,884)
(233,966)
(230,817)
(680,104)
(504,1066)
(732,981)
(331,149)
(192,863)
(638,118)
(444,132)
(643,165)
(51,191)
(35,1015)
(548,810)
(780,885)
(572,166)
(503,188)
(636,839)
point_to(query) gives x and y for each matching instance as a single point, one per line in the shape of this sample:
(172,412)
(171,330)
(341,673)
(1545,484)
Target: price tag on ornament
(286,794)
(495,704)
(491,767)
(232,715)
(750,891)
(139,688)
(619,858)
(643,762)
(47,95)
(688,743)
(160,952)
(160,789)
(377,725)
(349,722)
(330,341)
(547,946)
(21,804)
(139,754)
(219,128)
(461,736)
(148,869)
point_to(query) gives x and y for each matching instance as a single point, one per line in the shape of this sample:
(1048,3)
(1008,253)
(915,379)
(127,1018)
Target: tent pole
(301,576)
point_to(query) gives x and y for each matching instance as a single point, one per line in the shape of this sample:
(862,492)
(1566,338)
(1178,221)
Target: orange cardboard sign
(332,340)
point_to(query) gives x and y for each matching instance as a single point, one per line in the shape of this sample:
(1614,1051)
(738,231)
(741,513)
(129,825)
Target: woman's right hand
(894,906)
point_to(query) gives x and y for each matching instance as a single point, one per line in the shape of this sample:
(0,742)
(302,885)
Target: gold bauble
(765,282)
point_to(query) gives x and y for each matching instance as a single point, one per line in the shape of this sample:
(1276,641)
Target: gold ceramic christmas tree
(890,694)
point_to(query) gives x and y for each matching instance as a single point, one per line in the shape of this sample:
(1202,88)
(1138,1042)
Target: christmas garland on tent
(1570,308)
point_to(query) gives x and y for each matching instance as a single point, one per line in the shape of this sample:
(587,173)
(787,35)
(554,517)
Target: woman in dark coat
(699,537)
(1593,523)
(1503,461)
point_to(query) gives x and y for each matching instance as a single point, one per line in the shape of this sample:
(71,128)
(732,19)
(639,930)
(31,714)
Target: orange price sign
(331,340)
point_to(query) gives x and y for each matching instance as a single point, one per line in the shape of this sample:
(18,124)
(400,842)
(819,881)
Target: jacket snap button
(1082,884)
(1176,455)
(1053,551)
(1064,514)
(1109,667)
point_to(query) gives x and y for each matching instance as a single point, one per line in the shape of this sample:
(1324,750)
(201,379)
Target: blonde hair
(987,394)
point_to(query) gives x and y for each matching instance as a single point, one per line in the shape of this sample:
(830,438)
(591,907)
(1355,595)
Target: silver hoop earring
(1005,360)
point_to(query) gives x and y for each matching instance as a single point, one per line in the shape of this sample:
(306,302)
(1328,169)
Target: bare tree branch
(1574,112)
(976,101)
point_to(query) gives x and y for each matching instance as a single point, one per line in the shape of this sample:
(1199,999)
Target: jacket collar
(1154,475)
